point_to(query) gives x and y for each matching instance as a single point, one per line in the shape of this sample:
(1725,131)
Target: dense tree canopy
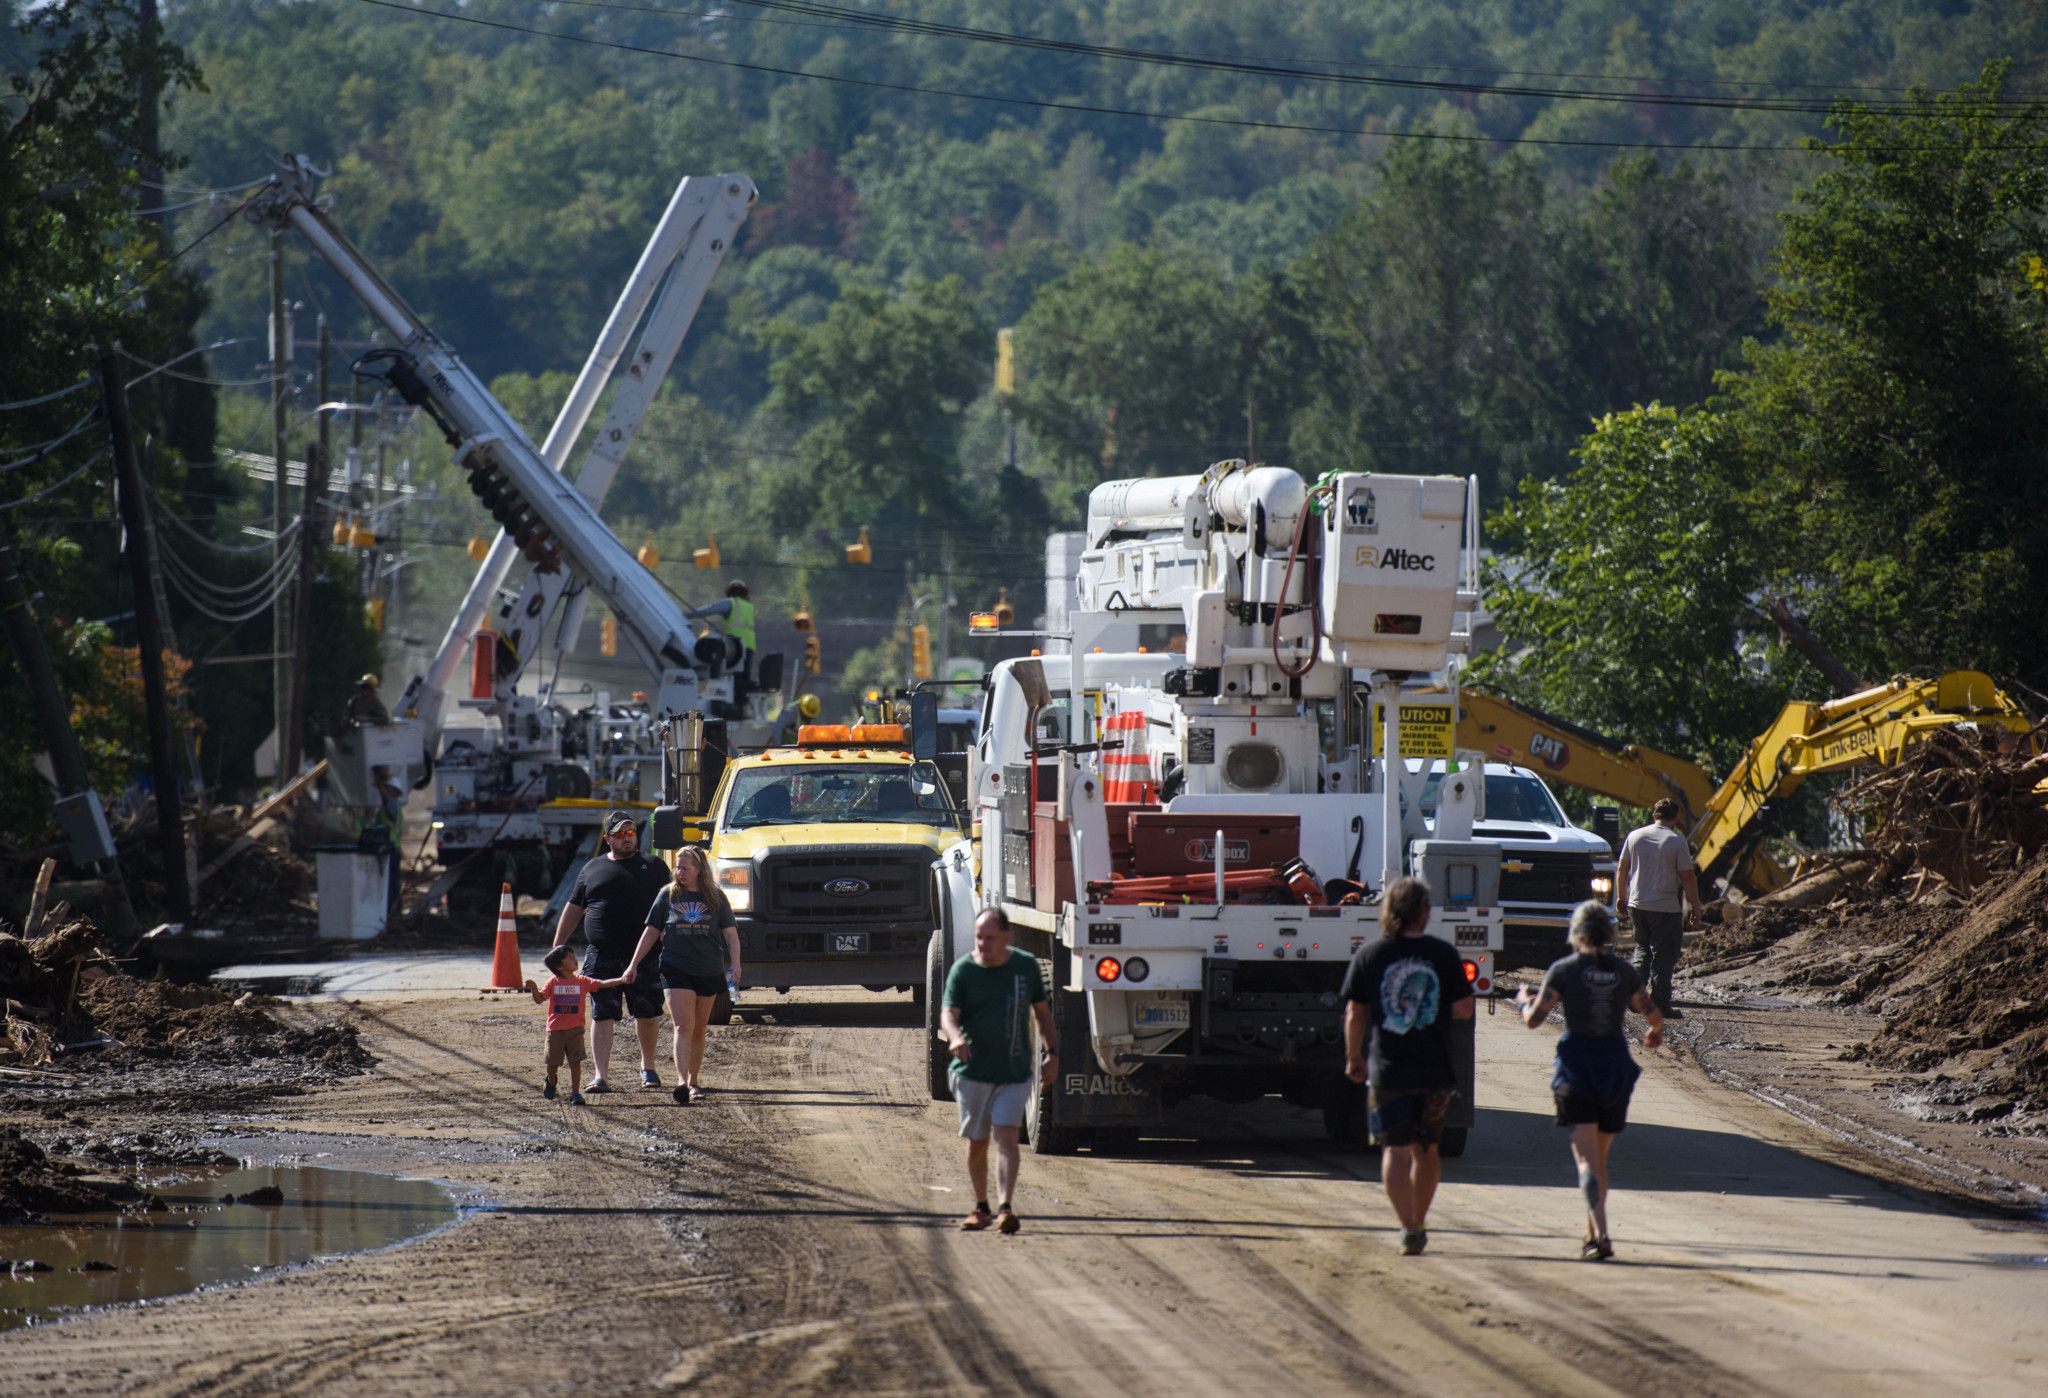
(1414,253)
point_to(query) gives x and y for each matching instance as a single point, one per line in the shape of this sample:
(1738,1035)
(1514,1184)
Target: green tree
(1625,590)
(1899,421)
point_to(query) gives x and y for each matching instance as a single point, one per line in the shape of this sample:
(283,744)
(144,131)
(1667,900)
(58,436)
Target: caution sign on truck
(1426,729)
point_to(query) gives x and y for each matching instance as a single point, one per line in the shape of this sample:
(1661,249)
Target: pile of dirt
(33,1184)
(64,993)
(1940,928)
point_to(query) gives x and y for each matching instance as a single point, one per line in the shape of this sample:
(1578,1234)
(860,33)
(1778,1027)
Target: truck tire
(1453,1144)
(937,1062)
(1047,1132)
(721,1009)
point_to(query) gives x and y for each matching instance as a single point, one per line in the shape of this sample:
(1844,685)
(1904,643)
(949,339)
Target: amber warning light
(981,621)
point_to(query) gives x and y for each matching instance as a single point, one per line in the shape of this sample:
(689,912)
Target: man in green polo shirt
(991,998)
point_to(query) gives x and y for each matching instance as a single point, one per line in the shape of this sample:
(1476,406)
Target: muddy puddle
(102,1259)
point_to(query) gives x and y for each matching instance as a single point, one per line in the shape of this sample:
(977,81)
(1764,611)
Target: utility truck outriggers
(1180,815)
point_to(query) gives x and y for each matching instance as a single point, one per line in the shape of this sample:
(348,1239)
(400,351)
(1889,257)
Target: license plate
(849,941)
(1160,1014)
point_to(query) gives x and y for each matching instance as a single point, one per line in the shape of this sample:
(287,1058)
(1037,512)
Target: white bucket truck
(1178,813)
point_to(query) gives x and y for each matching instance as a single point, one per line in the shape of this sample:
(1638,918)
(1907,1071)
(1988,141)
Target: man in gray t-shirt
(1656,890)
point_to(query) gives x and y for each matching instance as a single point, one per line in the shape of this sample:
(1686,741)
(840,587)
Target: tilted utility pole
(163,757)
(302,604)
(280,617)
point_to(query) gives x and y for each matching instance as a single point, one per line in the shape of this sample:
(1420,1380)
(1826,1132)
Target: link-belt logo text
(1400,560)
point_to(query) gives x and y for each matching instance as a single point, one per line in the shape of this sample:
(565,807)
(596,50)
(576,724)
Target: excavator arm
(1627,773)
(1872,726)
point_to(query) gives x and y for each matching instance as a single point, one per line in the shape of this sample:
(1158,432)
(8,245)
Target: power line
(1363,65)
(881,22)
(42,449)
(49,397)
(1092,109)
(53,489)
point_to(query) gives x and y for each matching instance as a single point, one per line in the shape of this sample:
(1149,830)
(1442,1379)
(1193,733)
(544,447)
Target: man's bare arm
(571,919)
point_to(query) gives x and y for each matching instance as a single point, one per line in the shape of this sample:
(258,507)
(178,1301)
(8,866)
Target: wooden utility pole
(280,618)
(293,750)
(163,757)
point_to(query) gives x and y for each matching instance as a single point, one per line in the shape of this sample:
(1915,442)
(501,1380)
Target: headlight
(1602,885)
(735,880)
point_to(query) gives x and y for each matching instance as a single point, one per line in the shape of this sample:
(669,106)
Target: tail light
(1108,969)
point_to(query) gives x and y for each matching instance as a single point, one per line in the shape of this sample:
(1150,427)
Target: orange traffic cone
(505,974)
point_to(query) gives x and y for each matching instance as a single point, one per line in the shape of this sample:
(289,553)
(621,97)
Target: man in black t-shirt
(609,903)
(1402,994)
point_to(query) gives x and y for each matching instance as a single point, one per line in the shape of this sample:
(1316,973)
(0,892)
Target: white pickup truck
(1547,866)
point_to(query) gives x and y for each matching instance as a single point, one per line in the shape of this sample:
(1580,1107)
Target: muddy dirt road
(795,1233)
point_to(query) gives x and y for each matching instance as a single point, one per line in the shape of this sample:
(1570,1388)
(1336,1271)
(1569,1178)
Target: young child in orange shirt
(566,994)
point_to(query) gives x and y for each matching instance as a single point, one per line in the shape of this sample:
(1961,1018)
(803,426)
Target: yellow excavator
(1871,726)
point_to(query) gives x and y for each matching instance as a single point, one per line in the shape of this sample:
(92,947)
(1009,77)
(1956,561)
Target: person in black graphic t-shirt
(1594,1076)
(1402,995)
(700,949)
(611,893)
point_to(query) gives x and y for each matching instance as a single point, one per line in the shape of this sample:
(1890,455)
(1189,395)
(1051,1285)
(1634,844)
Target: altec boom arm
(546,517)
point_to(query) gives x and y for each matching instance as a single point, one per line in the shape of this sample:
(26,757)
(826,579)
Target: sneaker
(1413,1241)
(682,1095)
(976,1221)
(1606,1249)
(1007,1222)
(1673,1012)
(548,1092)
(576,1098)
(696,1093)
(649,1078)
(599,1086)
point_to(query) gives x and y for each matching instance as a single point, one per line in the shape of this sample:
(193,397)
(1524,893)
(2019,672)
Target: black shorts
(642,997)
(701,985)
(1577,1109)
(1408,1118)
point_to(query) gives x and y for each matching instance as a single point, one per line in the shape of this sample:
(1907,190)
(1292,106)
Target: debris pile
(1957,808)
(33,1184)
(63,994)
(1940,927)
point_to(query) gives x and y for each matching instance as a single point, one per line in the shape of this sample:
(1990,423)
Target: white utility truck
(1180,814)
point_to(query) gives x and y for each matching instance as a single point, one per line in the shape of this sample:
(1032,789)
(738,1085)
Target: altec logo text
(1401,560)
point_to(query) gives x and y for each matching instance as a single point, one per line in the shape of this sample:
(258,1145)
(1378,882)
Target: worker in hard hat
(364,707)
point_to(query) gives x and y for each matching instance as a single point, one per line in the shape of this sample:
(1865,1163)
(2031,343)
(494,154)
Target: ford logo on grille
(847,888)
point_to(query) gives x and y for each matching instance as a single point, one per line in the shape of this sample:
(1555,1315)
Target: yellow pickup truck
(825,850)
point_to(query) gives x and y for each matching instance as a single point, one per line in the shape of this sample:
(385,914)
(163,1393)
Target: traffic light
(706,557)
(921,651)
(802,621)
(478,549)
(814,660)
(649,555)
(862,552)
(608,636)
(373,611)
(1005,613)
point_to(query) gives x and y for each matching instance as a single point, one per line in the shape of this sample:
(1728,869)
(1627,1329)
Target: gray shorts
(986,1104)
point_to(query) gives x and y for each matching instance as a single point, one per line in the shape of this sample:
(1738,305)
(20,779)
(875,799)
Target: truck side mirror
(924,725)
(1607,825)
(665,828)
